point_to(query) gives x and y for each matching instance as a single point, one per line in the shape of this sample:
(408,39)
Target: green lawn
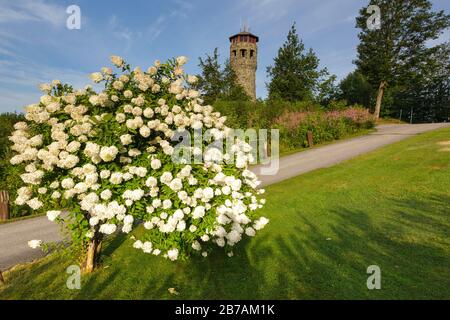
(388,208)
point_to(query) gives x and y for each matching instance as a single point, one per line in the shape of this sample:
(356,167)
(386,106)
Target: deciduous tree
(388,53)
(216,82)
(355,89)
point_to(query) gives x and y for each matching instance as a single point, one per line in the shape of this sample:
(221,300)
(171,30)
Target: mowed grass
(389,208)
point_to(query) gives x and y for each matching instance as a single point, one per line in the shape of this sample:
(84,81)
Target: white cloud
(260,12)
(327,15)
(179,9)
(182,8)
(32,11)
(25,72)
(15,101)
(19,80)
(6,52)
(123,33)
(157,27)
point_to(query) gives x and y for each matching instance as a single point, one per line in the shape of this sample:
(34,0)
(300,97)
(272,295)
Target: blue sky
(36,46)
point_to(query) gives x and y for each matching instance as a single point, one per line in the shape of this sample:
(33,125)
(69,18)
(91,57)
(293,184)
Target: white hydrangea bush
(107,159)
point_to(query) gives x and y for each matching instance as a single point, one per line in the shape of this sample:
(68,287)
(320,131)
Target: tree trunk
(93,254)
(2,281)
(379,99)
(98,251)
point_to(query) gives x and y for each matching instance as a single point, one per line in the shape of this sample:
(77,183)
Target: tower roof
(244,33)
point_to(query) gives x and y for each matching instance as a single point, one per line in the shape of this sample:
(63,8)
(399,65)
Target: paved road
(14,239)
(329,155)
(14,236)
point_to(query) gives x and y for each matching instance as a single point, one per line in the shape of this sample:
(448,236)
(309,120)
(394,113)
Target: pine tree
(295,75)
(388,54)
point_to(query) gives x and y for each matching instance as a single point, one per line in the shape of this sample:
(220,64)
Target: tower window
(234,53)
(243,52)
(252,53)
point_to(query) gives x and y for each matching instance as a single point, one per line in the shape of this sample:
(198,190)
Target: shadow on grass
(37,281)
(307,261)
(317,257)
(409,243)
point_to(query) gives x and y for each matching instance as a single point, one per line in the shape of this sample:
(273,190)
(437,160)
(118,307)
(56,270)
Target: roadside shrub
(107,158)
(339,105)
(325,126)
(259,114)
(245,114)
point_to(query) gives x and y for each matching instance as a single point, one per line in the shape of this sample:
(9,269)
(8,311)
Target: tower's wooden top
(243,33)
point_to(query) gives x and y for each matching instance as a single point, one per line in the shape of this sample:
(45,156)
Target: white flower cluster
(34,244)
(106,158)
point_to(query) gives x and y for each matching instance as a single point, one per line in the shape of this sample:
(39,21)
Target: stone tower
(243,60)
